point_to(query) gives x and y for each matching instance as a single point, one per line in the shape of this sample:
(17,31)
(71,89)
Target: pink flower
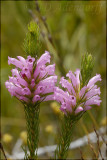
(73,99)
(31,80)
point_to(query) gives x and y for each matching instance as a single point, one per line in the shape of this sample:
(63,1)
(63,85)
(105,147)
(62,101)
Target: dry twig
(98,143)
(2,149)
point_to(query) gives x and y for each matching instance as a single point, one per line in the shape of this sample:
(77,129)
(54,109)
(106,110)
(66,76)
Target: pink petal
(15,62)
(39,71)
(93,92)
(45,58)
(25,71)
(24,99)
(36,98)
(82,91)
(79,109)
(67,85)
(50,69)
(49,98)
(72,78)
(77,77)
(26,91)
(32,83)
(22,60)
(87,108)
(93,80)
(95,100)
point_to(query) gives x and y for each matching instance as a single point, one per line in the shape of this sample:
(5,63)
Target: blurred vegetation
(76,28)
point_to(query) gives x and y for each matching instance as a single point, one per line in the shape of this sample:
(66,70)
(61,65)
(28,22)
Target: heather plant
(33,81)
(76,100)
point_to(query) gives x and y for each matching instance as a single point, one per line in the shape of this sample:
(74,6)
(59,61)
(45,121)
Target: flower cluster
(32,80)
(74,99)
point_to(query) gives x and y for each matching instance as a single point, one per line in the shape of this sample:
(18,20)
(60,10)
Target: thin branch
(93,149)
(81,154)
(2,149)
(43,18)
(98,143)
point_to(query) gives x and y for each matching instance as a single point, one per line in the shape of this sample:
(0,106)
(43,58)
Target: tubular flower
(74,99)
(32,80)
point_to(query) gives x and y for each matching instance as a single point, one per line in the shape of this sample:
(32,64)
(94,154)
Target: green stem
(64,140)
(32,122)
(68,124)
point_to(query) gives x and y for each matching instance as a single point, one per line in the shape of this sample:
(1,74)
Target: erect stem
(32,122)
(64,140)
(68,124)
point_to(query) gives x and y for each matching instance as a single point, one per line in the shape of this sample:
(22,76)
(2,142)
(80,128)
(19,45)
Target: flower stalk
(32,123)
(65,137)
(67,127)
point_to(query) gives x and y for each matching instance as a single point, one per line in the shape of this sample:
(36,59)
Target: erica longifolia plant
(32,81)
(80,94)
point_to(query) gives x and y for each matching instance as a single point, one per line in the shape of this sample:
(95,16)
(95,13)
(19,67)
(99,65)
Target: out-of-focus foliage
(76,28)
(32,40)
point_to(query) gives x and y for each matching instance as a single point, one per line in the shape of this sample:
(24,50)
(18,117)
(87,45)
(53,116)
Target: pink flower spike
(79,109)
(87,96)
(29,82)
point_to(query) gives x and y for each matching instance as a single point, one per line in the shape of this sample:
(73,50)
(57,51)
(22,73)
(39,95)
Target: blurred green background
(76,27)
